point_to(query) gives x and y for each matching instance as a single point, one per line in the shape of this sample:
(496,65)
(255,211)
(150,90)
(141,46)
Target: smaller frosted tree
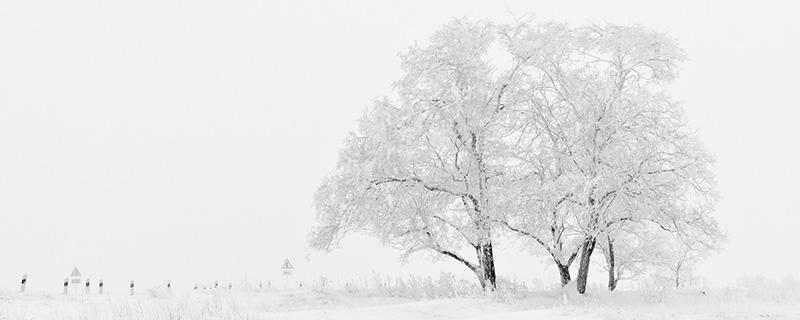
(669,251)
(686,251)
(632,252)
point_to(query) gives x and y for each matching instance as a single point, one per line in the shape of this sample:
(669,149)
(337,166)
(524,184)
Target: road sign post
(286,269)
(75,280)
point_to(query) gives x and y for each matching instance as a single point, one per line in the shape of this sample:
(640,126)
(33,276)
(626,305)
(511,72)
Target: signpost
(286,268)
(74,279)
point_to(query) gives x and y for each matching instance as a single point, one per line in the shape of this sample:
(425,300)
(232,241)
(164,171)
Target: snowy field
(316,304)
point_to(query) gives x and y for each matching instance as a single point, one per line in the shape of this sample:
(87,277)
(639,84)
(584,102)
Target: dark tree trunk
(612,278)
(563,271)
(487,255)
(563,268)
(583,269)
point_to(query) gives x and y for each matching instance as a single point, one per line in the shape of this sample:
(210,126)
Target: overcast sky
(183,140)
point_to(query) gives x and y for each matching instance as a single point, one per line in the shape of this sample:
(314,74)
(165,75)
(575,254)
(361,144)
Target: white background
(183,140)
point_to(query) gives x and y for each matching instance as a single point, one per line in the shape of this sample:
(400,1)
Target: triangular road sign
(287,265)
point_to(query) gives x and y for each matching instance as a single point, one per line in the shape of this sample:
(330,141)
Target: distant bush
(418,287)
(761,288)
(445,285)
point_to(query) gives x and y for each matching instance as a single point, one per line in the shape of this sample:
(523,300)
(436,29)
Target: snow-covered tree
(422,172)
(608,139)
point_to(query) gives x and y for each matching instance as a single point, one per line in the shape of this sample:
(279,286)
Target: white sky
(183,140)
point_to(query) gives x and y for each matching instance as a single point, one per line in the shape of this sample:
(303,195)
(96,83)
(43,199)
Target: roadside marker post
(22,284)
(75,279)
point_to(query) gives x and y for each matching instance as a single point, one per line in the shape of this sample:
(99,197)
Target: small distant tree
(682,263)
(634,249)
(632,252)
(685,252)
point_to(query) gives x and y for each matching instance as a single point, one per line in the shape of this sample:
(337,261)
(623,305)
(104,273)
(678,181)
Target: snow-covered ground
(314,304)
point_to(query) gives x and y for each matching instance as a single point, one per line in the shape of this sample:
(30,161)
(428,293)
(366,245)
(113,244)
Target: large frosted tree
(422,172)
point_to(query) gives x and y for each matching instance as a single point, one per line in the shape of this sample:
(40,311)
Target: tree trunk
(487,262)
(583,269)
(563,271)
(612,279)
